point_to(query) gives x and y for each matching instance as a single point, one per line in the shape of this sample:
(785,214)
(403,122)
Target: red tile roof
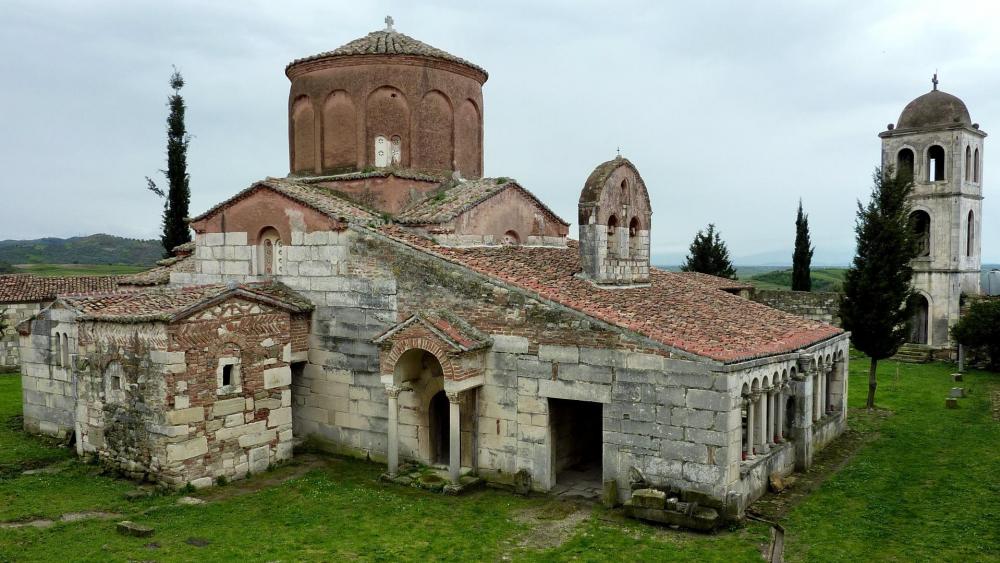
(317,197)
(160,275)
(674,309)
(451,200)
(25,288)
(168,304)
(716,281)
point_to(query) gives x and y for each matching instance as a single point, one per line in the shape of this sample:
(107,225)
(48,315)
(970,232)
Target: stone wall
(819,306)
(47,388)
(14,313)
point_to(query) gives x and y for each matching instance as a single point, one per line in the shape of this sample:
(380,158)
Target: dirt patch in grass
(296,468)
(551,524)
(831,459)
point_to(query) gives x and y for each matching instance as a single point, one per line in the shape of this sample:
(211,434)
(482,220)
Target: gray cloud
(731,110)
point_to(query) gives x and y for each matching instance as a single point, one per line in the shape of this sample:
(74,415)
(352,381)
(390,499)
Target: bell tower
(614,219)
(936,143)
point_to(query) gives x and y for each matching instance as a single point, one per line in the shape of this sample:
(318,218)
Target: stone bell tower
(614,218)
(937,144)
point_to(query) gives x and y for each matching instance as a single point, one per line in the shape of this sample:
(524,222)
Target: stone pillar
(392,392)
(751,443)
(781,412)
(769,397)
(762,420)
(815,396)
(802,419)
(455,437)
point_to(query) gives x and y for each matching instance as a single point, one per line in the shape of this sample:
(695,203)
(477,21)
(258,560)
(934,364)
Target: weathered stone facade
(437,337)
(186,400)
(817,305)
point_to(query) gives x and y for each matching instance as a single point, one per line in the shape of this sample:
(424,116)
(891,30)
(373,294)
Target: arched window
(65,350)
(57,351)
(511,238)
(935,163)
(968,163)
(395,150)
(904,163)
(920,222)
(975,167)
(634,240)
(624,190)
(271,253)
(613,236)
(970,235)
(382,151)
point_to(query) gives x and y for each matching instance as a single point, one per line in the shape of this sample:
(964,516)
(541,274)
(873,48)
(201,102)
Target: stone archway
(921,319)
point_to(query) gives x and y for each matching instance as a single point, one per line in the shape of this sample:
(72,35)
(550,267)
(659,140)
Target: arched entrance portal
(439,424)
(918,332)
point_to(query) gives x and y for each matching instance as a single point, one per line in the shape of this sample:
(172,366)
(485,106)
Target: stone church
(935,143)
(387,300)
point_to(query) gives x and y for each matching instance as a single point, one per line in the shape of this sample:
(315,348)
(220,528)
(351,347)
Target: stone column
(779,428)
(392,392)
(816,391)
(769,420)
(455,441)
(762,419)
(751,420)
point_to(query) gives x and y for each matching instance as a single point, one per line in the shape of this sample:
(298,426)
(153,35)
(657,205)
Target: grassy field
(77,269)
(823,279)
(923,487)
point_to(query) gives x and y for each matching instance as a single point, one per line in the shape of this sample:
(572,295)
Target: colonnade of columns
(454,433)
(822,397)
(765,419)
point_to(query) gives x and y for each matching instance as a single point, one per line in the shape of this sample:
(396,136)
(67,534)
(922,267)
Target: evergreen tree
(876,304)
(708,255)
(979,328)
(802,257)
(178,195)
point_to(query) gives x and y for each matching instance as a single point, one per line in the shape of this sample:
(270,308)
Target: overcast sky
(731,111)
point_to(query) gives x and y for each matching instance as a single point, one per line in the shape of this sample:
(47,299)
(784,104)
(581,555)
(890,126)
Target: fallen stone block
(610,496)
(956,377)
(129,528)
(776,483)
(189,501)
(951,403)
(649,498)
(957,392)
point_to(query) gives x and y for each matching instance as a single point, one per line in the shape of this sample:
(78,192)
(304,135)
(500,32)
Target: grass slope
(93,249)
(925,488)
(77,269)
(823,279)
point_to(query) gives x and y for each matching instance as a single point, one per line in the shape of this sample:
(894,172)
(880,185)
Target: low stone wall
(819,306)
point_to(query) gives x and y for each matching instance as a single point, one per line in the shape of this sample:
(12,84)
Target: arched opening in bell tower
(904,163)
(970,235)
(920,222)
(935,164)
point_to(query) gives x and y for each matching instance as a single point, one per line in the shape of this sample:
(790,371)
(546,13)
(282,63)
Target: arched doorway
(439,422)
(921,309)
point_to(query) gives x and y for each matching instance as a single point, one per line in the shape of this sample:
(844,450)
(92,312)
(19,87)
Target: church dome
(388,42)
(934,108)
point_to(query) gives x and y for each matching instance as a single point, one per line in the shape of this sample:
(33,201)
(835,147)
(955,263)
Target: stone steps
(913,354)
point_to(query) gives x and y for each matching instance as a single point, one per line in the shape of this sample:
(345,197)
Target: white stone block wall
(9,341)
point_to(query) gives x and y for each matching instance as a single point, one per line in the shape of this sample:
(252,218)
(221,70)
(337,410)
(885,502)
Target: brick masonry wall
(820,306)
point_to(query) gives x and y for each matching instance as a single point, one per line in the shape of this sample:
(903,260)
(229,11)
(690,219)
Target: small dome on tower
(934,108)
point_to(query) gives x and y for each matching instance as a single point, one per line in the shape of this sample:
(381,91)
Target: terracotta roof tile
(317,197)
(453,199)
(25,288)
(166,304)
(716,281)
(160,275)
(674,309)
(387,42)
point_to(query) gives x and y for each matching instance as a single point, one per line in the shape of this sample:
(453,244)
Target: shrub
(979,329)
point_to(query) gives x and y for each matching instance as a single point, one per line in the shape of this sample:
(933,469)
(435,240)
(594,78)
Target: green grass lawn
(925,487)
(78,269)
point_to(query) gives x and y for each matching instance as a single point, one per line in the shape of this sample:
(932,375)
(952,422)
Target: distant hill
(823,279)
(93,249)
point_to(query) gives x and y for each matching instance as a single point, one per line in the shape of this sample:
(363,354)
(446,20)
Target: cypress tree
(802,257)
(709,255)
(876,305)
(178,195)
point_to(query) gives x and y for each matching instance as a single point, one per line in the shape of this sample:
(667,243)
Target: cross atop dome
(389,21)
(934,80)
